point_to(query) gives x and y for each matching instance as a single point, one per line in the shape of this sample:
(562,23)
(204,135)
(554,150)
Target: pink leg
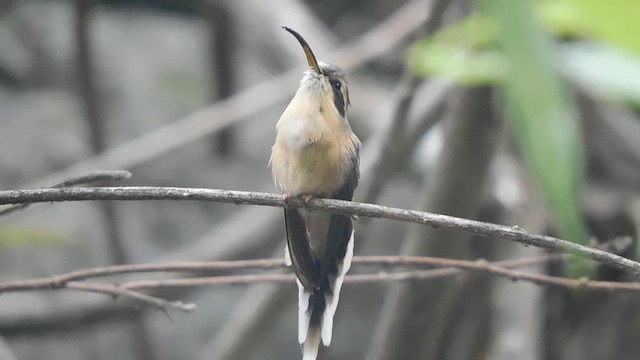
(287,196)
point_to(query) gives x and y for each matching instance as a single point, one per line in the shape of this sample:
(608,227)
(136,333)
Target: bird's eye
(336,85)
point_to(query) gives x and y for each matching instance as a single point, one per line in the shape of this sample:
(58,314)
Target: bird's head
(327,80)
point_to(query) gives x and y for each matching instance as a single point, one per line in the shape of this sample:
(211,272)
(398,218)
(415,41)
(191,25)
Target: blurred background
(513,112)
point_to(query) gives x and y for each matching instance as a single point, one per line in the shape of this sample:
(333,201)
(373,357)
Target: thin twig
(124,292)
(81,179)
(479,228)
(127,289)
(93,177)
(59,281)
(481,265)
(446,267)
(449,267)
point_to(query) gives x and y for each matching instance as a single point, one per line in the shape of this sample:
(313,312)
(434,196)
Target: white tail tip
(332,300)
(310,335)
(311,344)
(287,256)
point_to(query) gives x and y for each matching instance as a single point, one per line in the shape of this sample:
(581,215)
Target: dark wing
(340,227)
(353,176)
(302,259)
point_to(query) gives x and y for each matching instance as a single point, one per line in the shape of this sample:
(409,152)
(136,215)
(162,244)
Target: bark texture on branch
(438,221)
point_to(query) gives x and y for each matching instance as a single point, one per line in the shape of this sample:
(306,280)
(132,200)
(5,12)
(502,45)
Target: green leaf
(603,71)
(461,52)
(562,17)
(613,21)
(543,114)
(466,52)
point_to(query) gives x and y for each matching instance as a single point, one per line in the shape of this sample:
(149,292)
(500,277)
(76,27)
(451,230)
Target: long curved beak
(311,59)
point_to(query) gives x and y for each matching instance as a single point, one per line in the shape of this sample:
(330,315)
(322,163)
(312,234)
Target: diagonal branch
(129,293)
(488,230)
(80,179)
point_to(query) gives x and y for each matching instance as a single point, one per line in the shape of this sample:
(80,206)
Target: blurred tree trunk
(590,325)
(417,316)
(88,92)
(222,70)
(593,325)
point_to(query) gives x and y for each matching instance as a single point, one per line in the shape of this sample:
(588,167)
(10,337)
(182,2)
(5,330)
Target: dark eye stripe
(338,97)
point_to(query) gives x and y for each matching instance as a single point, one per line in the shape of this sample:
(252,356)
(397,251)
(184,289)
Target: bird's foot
(286,197)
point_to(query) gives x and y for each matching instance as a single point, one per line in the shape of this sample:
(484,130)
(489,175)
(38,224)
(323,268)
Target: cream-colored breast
(313,148)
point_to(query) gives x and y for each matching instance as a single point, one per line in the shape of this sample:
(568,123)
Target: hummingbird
(316,155)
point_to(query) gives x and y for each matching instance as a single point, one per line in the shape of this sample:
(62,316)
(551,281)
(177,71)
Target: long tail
(316,309)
